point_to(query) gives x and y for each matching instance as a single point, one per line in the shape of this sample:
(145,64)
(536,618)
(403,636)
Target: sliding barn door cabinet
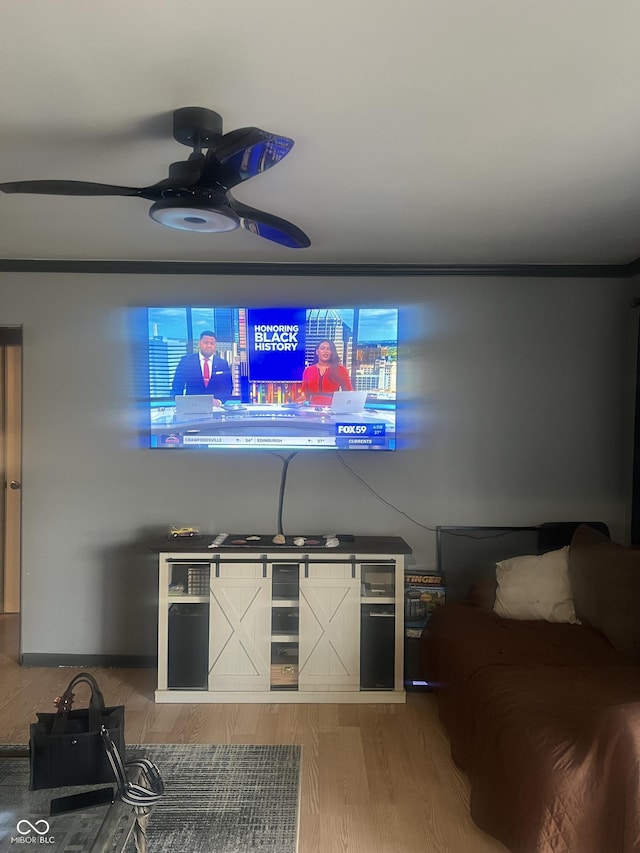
(285,625)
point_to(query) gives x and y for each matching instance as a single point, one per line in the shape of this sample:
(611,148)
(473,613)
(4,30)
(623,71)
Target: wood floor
(375,778)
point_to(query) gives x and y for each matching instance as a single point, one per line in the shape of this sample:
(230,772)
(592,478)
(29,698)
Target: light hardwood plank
(375,778)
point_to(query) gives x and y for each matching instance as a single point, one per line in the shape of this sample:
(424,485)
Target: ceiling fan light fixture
(194,216)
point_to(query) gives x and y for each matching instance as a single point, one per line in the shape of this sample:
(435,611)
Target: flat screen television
(290,378)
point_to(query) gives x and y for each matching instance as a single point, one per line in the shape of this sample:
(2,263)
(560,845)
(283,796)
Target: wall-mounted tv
(290,378)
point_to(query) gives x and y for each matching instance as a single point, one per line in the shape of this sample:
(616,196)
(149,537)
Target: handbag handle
(129,792)
(64,703)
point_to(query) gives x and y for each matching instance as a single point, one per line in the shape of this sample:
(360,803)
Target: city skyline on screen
(171,322)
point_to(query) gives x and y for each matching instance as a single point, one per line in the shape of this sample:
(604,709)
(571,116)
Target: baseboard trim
(102,661)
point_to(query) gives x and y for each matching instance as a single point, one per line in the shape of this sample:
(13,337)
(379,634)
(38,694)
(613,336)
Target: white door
(240,627)
(329,647)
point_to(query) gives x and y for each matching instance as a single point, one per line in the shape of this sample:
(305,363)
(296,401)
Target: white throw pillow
(535,587)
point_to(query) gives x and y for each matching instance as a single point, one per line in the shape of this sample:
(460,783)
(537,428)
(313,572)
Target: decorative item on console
(178,532)
(328,540)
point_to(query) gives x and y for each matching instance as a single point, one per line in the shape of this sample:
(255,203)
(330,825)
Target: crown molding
(17,265)
(634,267)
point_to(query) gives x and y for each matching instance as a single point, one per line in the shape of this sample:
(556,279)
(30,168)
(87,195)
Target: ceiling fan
(196,195)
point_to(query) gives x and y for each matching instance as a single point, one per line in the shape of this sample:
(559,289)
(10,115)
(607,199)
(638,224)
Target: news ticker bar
(278,441)
(273,440)
(217,441)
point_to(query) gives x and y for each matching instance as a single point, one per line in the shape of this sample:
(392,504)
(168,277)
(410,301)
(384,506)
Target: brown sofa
(544,716)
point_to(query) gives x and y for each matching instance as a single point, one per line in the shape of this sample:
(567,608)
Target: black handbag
(66,748)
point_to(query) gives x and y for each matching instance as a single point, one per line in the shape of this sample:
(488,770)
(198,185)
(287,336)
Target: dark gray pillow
(605,582)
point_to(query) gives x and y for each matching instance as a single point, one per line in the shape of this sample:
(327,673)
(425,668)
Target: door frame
(11,467)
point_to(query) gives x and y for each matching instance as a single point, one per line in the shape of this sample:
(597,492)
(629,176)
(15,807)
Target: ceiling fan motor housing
(196,126)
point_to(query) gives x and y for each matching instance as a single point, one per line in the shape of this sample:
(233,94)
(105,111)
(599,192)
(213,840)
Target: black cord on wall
(380,498)
(283,485)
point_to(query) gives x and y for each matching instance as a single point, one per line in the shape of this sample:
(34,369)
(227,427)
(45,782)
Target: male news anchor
(203,372)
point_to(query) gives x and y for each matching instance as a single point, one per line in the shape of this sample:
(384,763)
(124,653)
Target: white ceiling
(426,131)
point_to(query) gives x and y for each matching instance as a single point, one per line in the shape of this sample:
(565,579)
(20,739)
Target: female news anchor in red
(327,375)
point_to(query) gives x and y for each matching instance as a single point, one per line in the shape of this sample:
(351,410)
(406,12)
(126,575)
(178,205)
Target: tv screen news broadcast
(288,378)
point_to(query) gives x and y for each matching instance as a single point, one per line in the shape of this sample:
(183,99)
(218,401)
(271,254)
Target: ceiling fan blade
(243,153)
(270,227)
(76,188)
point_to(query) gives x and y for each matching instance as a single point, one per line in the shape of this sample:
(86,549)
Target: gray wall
(516,396)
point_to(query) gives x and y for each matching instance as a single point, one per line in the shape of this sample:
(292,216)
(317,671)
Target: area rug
(225,799)
(219,799)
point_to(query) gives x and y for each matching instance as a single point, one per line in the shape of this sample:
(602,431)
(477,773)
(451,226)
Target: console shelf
(285,625)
